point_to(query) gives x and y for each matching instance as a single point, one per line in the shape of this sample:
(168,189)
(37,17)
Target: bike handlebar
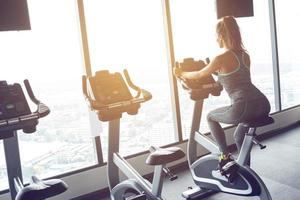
(42,109)
(142,96)
(28,121)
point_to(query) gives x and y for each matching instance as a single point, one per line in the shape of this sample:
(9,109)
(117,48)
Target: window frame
(171,60)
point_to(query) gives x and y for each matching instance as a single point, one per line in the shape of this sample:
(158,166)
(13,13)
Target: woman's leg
(239,135)
(218,133)
(229,115)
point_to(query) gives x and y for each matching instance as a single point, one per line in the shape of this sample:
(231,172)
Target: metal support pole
(274,43)
(192,144)
(84,39)
(245,151)
(171,63)
(113,147)
(158,180)
(13,162)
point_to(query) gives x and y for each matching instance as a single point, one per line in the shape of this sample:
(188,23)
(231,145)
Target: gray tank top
(238,83)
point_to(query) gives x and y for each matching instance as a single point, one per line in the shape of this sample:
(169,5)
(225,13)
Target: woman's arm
(212,67)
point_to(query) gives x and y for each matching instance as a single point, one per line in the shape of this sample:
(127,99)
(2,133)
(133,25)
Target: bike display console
(15,113)
(198,89)
(12,101)
(108,94)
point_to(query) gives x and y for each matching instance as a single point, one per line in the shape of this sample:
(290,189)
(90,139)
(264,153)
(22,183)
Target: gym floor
(277,165)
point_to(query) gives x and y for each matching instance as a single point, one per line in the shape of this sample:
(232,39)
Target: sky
(130,34)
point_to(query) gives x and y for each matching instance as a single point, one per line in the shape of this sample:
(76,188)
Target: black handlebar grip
(30,92)
(207,60)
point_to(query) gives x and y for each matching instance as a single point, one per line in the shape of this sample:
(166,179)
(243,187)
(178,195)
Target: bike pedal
(232,178)
(229,168)
(138,197)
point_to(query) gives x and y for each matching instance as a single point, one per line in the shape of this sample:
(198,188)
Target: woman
(233,70)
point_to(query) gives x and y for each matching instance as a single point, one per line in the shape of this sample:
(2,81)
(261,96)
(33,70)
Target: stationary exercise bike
(15,115)
(204,170)
(109,96)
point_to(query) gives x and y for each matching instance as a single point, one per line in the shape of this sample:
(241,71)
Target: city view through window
(288,43)
(49,56)
(125,35)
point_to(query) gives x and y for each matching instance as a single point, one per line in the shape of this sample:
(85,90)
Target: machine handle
(42,109)
(142,96)
(146,94)
(30,92)
(130,83)
(94,105)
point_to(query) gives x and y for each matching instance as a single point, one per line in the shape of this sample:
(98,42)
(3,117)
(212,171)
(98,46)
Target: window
(49,55)
(194,36)
(130,34)
(257,39)
(288,44)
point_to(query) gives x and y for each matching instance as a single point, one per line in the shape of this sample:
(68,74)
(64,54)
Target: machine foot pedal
(197,193)
(138,197)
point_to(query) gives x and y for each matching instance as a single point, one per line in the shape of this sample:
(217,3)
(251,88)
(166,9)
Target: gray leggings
(239,111)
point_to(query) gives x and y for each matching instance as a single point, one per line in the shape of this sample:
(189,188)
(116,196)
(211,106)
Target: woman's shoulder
(230,53)
(223,55)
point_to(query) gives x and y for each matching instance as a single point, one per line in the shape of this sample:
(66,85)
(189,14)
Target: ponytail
(228,29)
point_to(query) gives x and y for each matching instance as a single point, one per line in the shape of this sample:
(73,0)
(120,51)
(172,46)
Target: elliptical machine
(15,115)
(204,170)
(109,96)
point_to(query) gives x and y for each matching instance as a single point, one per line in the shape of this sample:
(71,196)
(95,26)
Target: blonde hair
(228,29)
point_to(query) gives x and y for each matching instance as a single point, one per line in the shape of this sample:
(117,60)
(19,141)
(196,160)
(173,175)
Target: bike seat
(39,189)
(262,121)
(164,155)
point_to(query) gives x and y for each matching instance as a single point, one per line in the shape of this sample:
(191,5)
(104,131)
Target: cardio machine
(204,170)
(109,96)
(15,115)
